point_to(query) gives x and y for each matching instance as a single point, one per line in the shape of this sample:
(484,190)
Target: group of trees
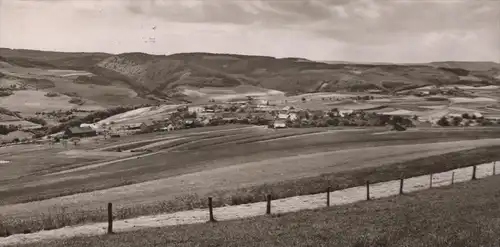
(5,93)
(92,117)
(51,94)
(6,129)
(464,120)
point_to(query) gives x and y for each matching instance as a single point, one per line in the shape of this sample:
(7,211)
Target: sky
(409,31)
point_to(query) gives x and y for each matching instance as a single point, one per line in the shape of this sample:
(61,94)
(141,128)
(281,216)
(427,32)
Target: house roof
(134,125)
(148,122)
(80,130)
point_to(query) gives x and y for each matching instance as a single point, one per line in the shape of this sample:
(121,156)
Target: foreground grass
(434,164)
(465,215)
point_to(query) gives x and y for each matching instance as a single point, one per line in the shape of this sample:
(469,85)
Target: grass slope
(464,215)
(434,164)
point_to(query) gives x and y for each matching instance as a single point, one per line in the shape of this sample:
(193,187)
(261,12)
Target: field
(31,101)
(51,186)
(460,215)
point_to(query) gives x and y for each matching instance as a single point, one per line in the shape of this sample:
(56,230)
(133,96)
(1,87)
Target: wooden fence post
(268,208)
(110,218)
(367,190)
(474,173)
(328,197)
(430,180)
(211,210)
(401,182)
(452,177)
(494,168)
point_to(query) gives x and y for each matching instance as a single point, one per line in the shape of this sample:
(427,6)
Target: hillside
(153,78)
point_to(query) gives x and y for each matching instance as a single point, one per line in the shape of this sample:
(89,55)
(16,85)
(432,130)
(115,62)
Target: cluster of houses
(259,114)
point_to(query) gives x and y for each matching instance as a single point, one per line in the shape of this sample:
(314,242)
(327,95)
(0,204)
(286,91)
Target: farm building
(279,124)
(197,109)
(80,132)
(282,116)
(189,122)
(134,126)
(345,113)
(148,125)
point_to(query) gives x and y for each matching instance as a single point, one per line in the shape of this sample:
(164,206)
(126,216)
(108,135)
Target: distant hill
(157,77)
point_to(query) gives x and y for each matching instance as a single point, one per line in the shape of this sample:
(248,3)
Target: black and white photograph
(249,123)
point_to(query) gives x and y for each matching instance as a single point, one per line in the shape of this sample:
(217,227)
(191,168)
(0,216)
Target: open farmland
(191,163)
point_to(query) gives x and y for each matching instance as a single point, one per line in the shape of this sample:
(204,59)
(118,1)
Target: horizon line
(260,55)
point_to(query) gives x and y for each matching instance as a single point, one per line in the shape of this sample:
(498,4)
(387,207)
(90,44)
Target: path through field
(292,204)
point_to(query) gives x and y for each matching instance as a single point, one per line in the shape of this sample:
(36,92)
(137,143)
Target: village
(418,107)
(275,117)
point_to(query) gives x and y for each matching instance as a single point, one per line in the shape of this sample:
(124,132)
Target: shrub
(76,101)
(5,93)
(333,122)
(51,94)
(6,129)
(36,120)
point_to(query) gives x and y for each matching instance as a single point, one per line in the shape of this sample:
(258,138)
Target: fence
(350,195)
(367,192)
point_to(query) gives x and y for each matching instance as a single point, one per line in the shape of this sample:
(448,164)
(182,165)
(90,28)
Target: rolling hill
(114,79)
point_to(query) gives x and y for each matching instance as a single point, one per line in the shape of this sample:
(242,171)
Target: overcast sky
(348,30)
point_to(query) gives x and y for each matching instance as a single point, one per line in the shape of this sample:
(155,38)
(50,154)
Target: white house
(197,109)
(279,124)
(282,116)
(344,113)
(93,126)
(293,116)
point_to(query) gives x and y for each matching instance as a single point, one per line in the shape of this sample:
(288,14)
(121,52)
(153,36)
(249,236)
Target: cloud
(359,30)
(265,12)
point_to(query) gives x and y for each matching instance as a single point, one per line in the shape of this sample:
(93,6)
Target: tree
(457,121)
(333,122)
(443,122)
